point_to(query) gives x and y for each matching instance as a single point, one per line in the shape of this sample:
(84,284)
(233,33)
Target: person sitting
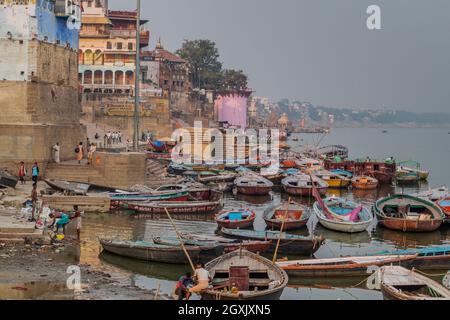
(202,278)
(182,286)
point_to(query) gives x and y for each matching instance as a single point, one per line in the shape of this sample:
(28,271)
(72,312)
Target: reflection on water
(36,290)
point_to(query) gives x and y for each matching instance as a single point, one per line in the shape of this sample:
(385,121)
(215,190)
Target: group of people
(91,149)
(188,284)
(111,138)
(23,172)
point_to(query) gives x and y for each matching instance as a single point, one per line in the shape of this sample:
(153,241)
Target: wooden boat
(236,219)
(301,185)
(177,169)
(70,188)
(364,183)
(7,180)
(434,194)
(334,180)
(228,177)
(242,275)
(423,174)
(344,173)
(251,184)
(408,214)
(117,199)
(402,177)
(158,155)
(196,191)
(274,177)
(444,204)
(215,249)
(342,215)
(296,217)
(398,283)
(340,267)
(188,207)
(430,258)
(149,251)
(289,243)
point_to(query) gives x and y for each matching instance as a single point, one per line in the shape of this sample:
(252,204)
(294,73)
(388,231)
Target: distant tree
(234,79)
(203,57)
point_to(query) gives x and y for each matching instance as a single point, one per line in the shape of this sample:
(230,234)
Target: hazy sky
(321,50)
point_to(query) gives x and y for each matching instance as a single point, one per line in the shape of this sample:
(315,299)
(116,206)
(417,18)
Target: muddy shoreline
(40,272)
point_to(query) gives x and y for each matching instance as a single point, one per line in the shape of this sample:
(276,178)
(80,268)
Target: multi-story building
(165,69)
(39,102)
(107,54)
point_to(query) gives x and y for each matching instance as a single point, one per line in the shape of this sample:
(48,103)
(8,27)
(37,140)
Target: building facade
(39,100)
(107,54)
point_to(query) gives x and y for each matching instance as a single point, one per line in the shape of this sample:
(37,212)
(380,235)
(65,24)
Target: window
(108,45)
(130,46)
(119,45)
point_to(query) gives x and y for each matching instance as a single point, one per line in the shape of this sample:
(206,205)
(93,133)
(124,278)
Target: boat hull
(301,247)
(157,208)
(303,192)
(348,228)
(169,255)
(291,225)
(409,225)
(254,191)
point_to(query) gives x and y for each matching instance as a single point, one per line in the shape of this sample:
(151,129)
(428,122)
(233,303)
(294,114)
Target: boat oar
(281,232)
(181,240)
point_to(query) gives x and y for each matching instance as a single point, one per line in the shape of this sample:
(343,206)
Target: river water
(431,147)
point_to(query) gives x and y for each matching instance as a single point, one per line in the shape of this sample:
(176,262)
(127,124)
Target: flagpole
(137,76)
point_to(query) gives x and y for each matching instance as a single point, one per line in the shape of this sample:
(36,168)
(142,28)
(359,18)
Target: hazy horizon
(319,51)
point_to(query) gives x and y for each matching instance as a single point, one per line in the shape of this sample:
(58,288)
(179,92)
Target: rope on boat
(431,274)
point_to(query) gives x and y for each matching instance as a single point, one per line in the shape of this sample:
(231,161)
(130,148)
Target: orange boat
(364,183)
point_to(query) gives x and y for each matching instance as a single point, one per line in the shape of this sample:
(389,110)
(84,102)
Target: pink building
(231,107)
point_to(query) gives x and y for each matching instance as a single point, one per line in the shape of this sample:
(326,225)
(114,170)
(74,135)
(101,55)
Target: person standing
(56,151)
(105,140)
(77,218)
(109,139)
(34,200)
(35,173)
(80,153)
(119,134)
(22,172)
(92,149)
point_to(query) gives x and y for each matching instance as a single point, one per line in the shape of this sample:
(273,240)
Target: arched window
(98,58)
(98,77)
(88,57)
(129,77)
(88,77)
(109,77)
(118,77)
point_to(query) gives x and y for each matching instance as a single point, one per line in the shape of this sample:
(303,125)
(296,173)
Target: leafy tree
(203,57)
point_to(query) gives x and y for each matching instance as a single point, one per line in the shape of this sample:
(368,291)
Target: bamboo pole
(281,232)
(181,240)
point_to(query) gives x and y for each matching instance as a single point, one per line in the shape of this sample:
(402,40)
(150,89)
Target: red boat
(383,171)
(296,217)
(236,219)
(301,185)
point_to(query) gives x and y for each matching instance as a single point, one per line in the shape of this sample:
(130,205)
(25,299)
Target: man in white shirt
(202,277)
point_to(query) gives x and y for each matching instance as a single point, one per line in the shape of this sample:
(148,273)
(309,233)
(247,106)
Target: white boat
(342,215)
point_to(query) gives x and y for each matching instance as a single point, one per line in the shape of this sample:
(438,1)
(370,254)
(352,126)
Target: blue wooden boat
(117,199)
(344,173)
(437,258)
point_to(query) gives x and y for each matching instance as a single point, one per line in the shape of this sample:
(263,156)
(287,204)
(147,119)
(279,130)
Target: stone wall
(41,109)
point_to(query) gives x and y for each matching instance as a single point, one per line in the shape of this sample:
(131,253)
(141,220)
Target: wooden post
(274,260)
(181,240)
